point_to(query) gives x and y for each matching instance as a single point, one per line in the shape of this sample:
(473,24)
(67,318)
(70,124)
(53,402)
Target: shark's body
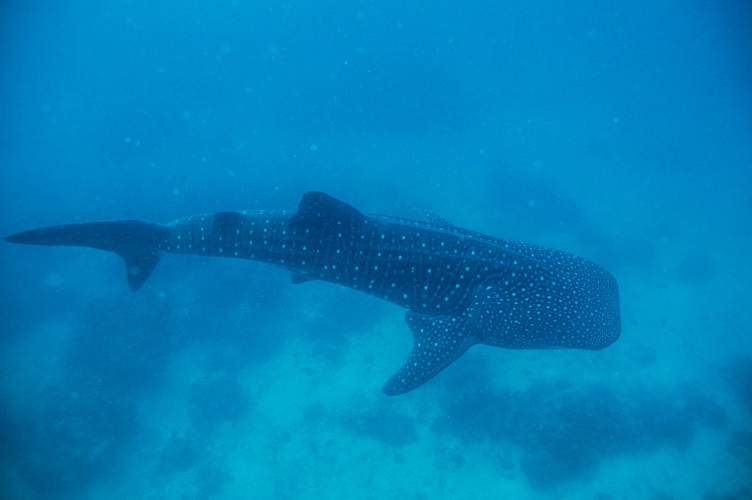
(460,287)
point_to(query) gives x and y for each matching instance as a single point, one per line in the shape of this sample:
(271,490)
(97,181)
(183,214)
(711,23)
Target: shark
(460,287)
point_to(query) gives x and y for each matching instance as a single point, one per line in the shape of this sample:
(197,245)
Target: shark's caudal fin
(137,242)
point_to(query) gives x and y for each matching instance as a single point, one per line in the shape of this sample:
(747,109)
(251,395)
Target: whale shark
(460,287)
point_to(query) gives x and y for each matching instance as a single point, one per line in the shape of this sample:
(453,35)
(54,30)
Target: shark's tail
(138,242)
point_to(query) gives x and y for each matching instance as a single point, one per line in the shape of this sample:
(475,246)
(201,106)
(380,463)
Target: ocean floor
(174,393)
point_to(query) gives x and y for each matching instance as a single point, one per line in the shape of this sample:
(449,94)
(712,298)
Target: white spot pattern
(456,281)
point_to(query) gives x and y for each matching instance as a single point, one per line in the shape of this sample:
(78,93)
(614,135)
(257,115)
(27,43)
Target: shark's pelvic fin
(137,242)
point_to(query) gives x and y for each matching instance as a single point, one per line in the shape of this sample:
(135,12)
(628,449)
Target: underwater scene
(442,133)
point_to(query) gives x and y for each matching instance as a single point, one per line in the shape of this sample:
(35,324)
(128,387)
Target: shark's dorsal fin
(438,341)
(322,215)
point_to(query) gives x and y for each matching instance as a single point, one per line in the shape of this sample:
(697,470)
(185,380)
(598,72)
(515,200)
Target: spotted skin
(460,287)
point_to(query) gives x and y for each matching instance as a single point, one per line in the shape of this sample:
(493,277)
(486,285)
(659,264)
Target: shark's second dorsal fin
(320,214)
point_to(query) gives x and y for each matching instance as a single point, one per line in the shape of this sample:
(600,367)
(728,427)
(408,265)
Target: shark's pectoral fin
(438,341)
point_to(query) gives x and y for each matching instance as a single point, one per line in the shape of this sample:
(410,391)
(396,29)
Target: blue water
(620,131)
